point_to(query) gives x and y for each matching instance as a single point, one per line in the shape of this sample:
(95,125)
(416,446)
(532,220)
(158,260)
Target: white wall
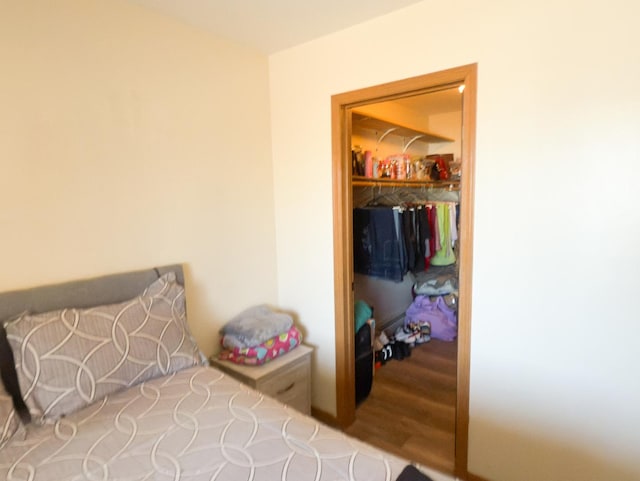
(129,140)
(555,329)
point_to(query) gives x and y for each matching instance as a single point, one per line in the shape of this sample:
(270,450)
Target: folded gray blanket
(254,326)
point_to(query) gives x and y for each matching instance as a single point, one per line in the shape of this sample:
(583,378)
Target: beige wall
(555,323)
(129,140)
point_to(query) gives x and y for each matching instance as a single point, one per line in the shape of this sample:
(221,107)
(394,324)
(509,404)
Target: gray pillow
(69,358)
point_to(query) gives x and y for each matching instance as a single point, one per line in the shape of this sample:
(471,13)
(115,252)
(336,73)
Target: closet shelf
(360,181)
(384,128)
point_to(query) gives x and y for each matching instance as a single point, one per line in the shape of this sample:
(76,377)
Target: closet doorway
(345,108)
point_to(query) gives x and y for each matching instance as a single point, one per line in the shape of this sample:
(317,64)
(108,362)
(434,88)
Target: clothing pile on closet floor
(428,317)
(437,281)
(435,313)
(435,302)
(399,344)
(258,335)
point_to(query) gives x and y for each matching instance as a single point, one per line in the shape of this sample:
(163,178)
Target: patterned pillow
(9,420)
(69,358)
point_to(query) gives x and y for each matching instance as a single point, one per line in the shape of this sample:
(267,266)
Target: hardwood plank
(411,409)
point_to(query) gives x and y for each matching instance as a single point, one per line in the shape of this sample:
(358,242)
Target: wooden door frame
(343,238)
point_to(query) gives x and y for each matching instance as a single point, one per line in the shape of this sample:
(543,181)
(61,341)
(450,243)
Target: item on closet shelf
(401,170)
(420,169)
(442,319)
(386,169)
(408,168)
(398,166)
(440,170)
(357,161)
(368,163)
(443,170)
(455,169)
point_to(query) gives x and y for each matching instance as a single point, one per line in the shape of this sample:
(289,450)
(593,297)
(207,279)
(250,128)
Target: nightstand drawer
(291,386)
(286,378)
(297,397)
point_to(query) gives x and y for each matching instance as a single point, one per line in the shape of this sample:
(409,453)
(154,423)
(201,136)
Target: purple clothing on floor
(443,320)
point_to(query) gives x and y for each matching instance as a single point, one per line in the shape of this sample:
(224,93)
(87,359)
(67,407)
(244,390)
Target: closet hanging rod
(436,184)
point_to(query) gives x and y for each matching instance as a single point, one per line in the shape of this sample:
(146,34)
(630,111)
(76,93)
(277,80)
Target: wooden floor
(411,409)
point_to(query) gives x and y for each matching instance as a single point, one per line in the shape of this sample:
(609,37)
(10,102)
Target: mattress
(197,424)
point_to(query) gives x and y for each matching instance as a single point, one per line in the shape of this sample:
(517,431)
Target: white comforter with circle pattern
(197,424)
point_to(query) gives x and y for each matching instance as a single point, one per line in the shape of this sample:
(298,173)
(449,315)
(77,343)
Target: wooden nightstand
(286,378)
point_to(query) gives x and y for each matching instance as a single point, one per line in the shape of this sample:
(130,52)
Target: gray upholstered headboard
(96,291)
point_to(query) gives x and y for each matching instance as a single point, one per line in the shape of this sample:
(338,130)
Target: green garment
(445,256)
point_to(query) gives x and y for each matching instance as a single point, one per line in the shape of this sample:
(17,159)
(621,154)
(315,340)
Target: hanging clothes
(423,233)
(389,241)
(377,243)
(398,219)
(431,246)
(410,238)
(447,234)
(453,221)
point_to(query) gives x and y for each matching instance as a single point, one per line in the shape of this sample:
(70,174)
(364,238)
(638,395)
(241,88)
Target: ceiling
(273,25)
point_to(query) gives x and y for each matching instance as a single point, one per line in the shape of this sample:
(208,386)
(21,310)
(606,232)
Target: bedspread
(197,424)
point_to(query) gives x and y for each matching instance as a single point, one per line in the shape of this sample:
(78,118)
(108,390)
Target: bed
(102,380)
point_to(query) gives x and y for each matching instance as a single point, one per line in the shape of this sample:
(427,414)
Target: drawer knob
(288,388)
